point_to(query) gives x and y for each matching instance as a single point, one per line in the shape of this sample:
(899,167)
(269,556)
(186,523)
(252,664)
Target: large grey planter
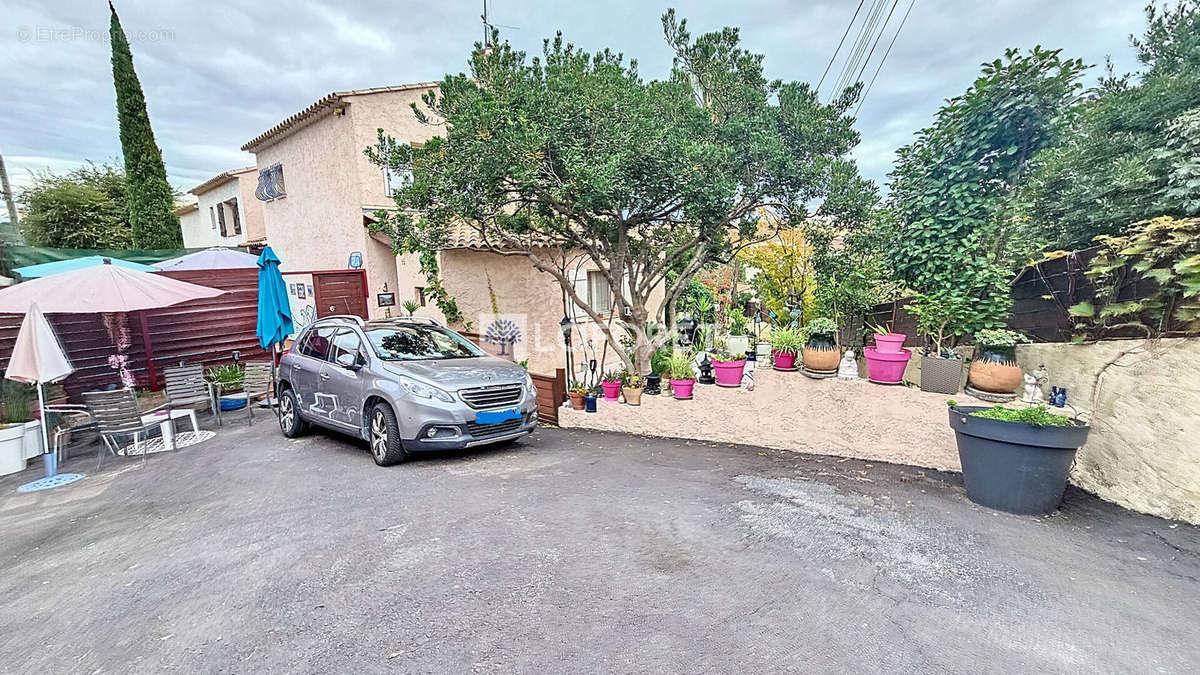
(939,375)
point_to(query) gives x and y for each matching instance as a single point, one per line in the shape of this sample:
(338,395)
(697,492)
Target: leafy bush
(1038,416)
(820,327)
(999,337)
(738,323)
(660,360)
(786,340)
(16,402)
(680,367)
(230,377)
(941,316)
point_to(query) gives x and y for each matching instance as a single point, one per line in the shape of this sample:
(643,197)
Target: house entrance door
(340,293)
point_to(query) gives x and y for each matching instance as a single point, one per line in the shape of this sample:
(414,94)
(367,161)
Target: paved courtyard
(573,550)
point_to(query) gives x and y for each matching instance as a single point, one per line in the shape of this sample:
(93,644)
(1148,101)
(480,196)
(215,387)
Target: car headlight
(530,387)
(422,390)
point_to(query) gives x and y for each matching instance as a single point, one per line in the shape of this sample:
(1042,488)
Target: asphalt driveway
(574,550)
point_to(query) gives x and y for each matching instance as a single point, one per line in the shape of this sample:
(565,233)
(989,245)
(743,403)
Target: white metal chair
(255,383)
(117,417)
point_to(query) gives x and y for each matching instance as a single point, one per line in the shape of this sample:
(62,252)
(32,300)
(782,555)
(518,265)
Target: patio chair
(186,386)
(118,417)
(73,418)
(257,383)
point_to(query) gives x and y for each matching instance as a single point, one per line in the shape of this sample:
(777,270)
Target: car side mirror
(348,361)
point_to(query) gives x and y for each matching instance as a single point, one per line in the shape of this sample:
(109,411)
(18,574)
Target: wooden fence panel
(551,393)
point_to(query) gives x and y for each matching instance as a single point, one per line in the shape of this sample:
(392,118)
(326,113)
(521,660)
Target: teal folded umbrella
(274,310)
(60,266)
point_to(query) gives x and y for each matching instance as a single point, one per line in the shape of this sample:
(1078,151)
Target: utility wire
(839,47)
(860,42)
(882,29)
(884,59)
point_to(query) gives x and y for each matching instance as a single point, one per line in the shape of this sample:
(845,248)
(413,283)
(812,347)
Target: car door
(342,381)
(311,357)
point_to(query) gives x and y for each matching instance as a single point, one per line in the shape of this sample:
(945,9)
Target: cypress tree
(149,197)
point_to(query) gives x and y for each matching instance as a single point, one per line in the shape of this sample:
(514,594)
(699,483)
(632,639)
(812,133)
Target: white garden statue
(1033,391)
(848,369)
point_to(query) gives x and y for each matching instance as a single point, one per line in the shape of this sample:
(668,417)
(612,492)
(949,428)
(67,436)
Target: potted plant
(739,328)
(728,367)
(994,368)
(887,342)
(820,353)
(1015,460)
(611,384)
(683,377)
(228,380)
(938,317)
(589,398)
(576,394)
(16,409)
(631,387)
(786,342)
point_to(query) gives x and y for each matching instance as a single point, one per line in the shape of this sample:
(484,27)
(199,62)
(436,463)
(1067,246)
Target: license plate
(497,416)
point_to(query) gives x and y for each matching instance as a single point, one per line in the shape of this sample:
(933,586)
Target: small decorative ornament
(706,372)
(1033,391)
(848,368)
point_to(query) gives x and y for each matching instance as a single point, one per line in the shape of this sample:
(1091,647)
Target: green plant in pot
(631,387)
(16,410)
(683,375)
(728,366)
(610,384)
(739,333)
(820,351)
(994,368)
(786,342)
(1015,460)
(941,317)
(575,393)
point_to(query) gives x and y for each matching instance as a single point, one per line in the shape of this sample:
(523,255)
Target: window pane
(317,343)
(408,343)
(599,293)
(346,342)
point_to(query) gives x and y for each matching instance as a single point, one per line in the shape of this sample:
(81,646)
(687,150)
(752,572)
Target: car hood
(455,374)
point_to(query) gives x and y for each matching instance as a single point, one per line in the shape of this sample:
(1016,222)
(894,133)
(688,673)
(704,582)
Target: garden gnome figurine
(1033,391)
(1042,377)
(848,369)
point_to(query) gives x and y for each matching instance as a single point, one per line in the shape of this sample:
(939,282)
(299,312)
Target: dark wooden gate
(342,292)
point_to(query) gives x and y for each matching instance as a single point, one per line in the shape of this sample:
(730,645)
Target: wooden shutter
(221,218)
(237,218)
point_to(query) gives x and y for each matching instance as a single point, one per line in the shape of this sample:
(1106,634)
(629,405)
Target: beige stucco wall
(1144,448)
(200,232)
(253,227)
(190,222)
(392,112)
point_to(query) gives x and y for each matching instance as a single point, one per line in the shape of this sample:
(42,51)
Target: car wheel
(289,415)
(384,436)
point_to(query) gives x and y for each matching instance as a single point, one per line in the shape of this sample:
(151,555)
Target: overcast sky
(216,73)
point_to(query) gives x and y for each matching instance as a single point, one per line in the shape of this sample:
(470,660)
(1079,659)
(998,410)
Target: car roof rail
(420,319)
(344,317)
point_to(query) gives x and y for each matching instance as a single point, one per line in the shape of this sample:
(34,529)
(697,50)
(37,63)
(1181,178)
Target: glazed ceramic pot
(729,373)
(995,370)
(589,403)
(890,343)
(784,361)
(633,395)
(885,368)
(821,355)
(612,390)
(682,388)
(738,344)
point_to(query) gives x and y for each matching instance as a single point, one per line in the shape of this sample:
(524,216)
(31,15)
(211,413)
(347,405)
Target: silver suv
(403,385)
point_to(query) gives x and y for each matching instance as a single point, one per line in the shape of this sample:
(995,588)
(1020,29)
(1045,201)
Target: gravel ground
(574,549)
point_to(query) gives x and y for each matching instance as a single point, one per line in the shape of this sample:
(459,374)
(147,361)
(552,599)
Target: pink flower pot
(612,390)
(890,343)
(682,388)
(729,373)
(784,361)
(885,368)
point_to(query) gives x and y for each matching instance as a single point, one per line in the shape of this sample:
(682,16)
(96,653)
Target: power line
(839,47)
(860,43)
(883,28)
(884,59)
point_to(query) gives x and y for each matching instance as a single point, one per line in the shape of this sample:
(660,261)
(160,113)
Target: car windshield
(410,343)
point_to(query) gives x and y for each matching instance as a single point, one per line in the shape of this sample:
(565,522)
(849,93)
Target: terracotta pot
(995,370)
(784,361)
(729,373)
(576,400)
(633,395)
(821,356)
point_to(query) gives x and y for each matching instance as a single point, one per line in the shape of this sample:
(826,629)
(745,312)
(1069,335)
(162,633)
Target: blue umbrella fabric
(60,266)
(274,310)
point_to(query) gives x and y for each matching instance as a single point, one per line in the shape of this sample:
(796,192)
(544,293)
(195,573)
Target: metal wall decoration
(356,260)
(270,183)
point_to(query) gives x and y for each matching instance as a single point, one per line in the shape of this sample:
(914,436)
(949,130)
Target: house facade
(318,194)
(225,213)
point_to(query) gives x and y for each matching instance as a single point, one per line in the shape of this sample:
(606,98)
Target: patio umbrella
(38,358)
(274,309)
(209,259)
(60,266)
(106,287)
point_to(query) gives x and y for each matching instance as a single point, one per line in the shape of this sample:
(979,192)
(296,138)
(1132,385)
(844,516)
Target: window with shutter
(212,215)
(599,292)
(237,218)
(221,218)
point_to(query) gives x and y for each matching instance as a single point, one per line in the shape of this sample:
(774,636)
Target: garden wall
(1144,449)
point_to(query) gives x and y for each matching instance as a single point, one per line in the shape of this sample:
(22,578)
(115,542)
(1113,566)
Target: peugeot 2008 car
(403,385)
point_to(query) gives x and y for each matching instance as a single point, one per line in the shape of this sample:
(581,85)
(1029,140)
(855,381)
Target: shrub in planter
(576,394)
(739,327)
(631,388)
(16,408)
(941,317)
(786,342)
(611,384)
(994,368)
(683,377)
(1015,460)
(728,368)
(821,354)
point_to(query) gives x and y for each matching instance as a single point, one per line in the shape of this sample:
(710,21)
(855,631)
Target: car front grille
(485,430)
(492,397)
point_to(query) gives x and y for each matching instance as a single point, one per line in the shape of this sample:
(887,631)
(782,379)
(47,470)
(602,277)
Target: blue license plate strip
(497,416)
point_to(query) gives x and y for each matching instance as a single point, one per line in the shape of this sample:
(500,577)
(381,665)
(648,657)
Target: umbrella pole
(274,382)
(51,465)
